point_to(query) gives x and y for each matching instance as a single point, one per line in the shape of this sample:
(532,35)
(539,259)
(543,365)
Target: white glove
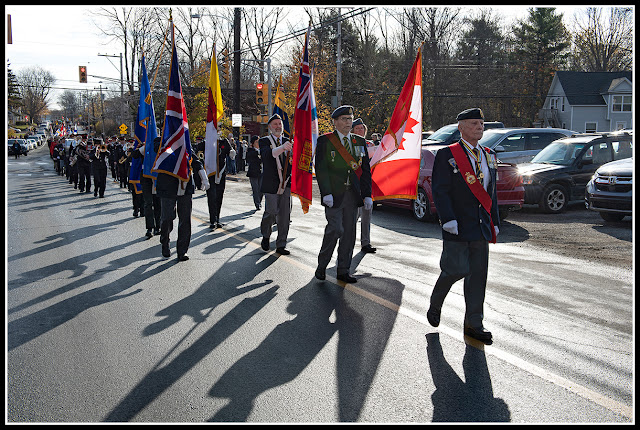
(496,229)
(368,203)
(328,200)
(288,145)
(451,226)
(204,179)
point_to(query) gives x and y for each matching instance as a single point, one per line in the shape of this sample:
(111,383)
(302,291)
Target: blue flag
(145,129)
(278,107)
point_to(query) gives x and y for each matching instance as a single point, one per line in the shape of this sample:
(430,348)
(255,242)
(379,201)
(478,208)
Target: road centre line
(584,392)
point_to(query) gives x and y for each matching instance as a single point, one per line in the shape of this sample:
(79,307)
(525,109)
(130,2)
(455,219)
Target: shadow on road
(471,400)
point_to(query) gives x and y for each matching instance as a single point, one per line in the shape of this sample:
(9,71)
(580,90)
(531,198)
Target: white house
(589,102)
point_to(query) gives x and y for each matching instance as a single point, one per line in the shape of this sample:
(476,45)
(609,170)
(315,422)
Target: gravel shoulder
(577,233)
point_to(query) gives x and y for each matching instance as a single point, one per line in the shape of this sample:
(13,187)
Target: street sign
(236,119)
(123,129)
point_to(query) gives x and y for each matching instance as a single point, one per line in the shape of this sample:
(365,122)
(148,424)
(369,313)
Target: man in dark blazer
(465,195)
(175,195)
(344,178)
(276,154)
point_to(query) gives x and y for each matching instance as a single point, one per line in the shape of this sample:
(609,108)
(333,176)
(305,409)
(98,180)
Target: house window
(562,104)
(621,104)
(590,127)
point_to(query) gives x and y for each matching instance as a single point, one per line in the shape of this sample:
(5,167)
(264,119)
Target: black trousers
(84,176)
(152,209)
(100,181)
(214,198)
(468,260)
(170,206)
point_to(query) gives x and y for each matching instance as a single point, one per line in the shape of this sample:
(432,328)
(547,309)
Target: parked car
(450,134)
(610,190)
(520,145)
(24,150)
(510,189)
(561,171)
(32,143)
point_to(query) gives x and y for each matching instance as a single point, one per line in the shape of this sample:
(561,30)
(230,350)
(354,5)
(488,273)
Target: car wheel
(611,217)
(554,199)
(420,206)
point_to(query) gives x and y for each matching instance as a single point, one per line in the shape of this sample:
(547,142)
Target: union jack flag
(174,156)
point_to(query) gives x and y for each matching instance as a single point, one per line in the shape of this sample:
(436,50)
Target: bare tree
(602,45)
(132,27)
(70,103)
(35,86)
(261,28)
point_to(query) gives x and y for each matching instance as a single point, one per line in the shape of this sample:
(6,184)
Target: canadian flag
(396,161)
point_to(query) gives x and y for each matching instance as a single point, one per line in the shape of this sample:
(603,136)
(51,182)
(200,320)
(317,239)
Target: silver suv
(520,145)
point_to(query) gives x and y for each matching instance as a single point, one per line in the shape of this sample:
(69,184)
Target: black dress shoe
(345,277)
(481,334)
(166,252)
(368,249)
(265,243)
(149,235)
(320,274)
(433,316)
(135,214)
(183,257)
(219,225)
(282,251)
(156,232)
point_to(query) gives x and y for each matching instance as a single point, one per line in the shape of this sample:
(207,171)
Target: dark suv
(561,171)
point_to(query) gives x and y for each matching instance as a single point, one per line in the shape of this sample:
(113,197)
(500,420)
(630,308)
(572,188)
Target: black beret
(342,110)
(274,117)
(473,113)
(157,139)
(357,122)
(254,138)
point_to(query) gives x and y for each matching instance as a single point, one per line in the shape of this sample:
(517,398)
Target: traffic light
(226,74)
(83,74)
(262,93)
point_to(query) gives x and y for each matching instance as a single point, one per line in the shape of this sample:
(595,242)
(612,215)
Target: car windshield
(560,152)
(490,137)
(443,133)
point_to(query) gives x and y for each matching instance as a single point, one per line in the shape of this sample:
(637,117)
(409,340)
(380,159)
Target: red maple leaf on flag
(411,122)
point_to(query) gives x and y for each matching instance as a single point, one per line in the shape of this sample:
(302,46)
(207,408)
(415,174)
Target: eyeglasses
(346,118)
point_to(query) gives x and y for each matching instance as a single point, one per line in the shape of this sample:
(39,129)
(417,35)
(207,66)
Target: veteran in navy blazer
(464,185)
(276,154)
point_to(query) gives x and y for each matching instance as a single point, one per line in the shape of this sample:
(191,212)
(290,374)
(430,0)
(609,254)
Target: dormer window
(621,104)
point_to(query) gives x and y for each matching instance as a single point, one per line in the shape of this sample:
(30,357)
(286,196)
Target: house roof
(587,88)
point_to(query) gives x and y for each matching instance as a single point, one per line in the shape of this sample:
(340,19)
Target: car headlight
(527,180)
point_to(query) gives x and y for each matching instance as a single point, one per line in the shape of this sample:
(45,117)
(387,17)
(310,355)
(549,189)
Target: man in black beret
(276,154)
(465,195)
(344,178)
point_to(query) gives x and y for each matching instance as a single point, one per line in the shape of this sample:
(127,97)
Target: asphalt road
(101,328)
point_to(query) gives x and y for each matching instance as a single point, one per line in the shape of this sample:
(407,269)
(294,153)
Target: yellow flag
(214,113)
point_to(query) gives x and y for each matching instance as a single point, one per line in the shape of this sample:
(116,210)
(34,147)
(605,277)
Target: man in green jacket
(344,179)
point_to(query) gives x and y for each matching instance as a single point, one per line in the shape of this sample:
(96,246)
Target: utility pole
(236,67)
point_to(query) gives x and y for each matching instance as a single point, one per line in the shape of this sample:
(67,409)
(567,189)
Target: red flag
(396,162)
(301,176)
